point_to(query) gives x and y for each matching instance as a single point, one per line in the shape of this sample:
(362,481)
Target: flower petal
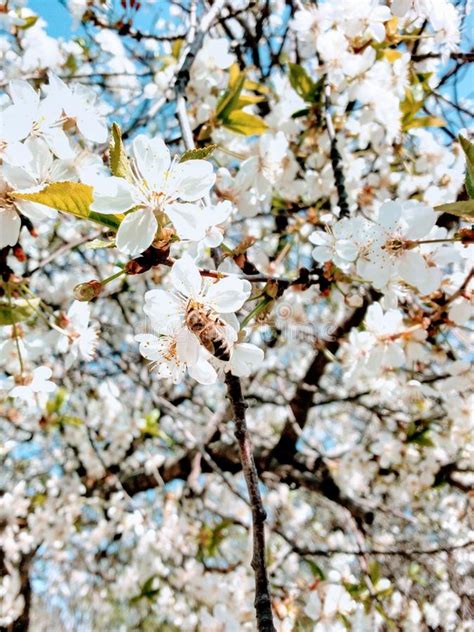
(389,214)
(203,372)
(153,160)
(10,224)
(188,220)
(136,232)
(164,310)
(113,195)
(191,180)
(186,277)
(18,178)
(229,294)
(245,359)
(187,347)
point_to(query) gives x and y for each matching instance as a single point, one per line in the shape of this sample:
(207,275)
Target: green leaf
(300,113)
(230,99)
(248,99)
(96,244)
(391,55)
(55,404)
(469,184)
(119,163)
(198,154)
(423,121)
(17,311)
(71,197)
(245,123)
(70,420)
(315,569)
(301,82)
(147,591)
(464,209)
(28,22)
(468,149)
(176,47)
(71,63)
(151,427)
(256,87)
(374,571)
(421,437)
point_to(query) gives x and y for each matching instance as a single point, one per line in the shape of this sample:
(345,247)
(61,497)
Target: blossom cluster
(303,224)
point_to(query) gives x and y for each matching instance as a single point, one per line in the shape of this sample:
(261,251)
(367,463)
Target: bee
(210,329)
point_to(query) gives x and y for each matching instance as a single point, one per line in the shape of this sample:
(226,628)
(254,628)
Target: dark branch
(262,594)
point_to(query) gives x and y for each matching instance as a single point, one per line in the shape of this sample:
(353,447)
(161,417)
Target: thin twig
(263,606)
(336,159)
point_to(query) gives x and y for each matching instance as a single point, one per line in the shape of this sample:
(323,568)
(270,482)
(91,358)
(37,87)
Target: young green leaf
(422,121)
(244,123)
(198,154)
(119,163)
(71,197)
(230,99)
(17,311)
(464,209)
(97,244)
(468,149)
(301,82)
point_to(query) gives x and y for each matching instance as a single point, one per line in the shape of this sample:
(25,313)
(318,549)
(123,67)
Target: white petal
(79,314)
(400,7)
(152,158)
(411,267)
(164,310)
(59,143)
(92,128)
(321,254)
(418,219)
(245,359)
(378,31)
(347,249)
(187,347)
(16,153)
(10,224)
(150,347)
(34,211)
(23,94)
(220,212)
(214,238)
(203,372)
(320,238)
(186,277)
(460,311)
(18,178)
(191,180)
(389,214)
(188,220)
(229,294)
(113,195)
(41,157)
(16,123)
(22,392)
(136,232)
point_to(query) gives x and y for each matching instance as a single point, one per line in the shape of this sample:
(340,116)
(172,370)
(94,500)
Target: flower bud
(87,291)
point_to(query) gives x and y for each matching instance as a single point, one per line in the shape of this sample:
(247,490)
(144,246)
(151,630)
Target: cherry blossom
(392,249)
(154,196)
(178,348)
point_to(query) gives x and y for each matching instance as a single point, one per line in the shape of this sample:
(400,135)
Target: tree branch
(262,595)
